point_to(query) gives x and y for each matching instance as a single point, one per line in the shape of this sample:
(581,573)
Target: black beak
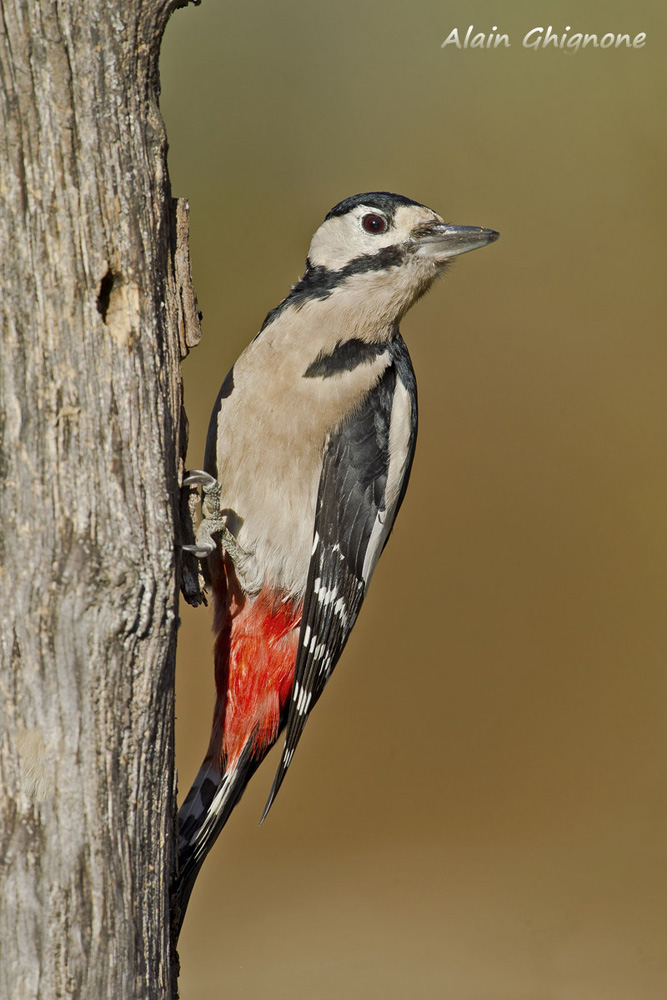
(441,240)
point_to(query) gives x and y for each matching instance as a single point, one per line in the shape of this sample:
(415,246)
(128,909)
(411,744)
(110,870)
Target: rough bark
(96,311)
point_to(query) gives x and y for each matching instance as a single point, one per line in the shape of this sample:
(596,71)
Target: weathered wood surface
(96,311)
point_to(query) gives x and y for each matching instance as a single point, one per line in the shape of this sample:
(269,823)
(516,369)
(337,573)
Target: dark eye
(374,224)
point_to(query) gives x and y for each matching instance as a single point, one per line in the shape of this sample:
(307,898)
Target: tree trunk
(97,311)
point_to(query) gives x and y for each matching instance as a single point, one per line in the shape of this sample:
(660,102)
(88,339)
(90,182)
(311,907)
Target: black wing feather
(351,494)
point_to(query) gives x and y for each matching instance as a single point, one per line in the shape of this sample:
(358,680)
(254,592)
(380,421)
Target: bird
(307,460)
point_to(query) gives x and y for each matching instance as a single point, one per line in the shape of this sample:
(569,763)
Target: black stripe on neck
(345,357)
(319,282)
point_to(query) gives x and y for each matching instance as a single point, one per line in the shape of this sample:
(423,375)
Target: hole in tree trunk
(104,294)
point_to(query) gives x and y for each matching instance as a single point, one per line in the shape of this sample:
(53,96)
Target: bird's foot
(213,526)
(211,522)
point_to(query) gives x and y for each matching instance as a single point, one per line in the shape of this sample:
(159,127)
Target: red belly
(255,653)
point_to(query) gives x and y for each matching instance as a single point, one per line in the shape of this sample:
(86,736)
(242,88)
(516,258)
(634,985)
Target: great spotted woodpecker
(307,461)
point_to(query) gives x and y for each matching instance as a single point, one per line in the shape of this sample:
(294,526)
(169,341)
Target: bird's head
(383,251)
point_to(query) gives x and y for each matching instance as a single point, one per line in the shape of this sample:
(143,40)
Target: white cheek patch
(342,239)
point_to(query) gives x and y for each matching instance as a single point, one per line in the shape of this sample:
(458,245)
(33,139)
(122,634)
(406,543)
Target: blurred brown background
(477,808)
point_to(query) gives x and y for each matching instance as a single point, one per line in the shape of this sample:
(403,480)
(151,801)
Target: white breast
(271,434)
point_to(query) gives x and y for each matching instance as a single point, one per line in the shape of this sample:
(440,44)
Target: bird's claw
(197,477)
(213,525)
(210,503)
(198,551)
(211,518)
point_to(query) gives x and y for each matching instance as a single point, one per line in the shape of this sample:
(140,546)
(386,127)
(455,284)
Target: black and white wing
(366,466)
